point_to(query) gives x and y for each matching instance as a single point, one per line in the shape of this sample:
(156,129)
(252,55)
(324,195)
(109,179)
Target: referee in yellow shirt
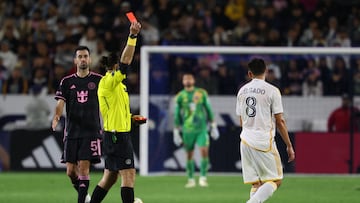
(115,110)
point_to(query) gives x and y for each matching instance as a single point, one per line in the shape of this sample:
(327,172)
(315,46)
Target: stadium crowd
(38,38)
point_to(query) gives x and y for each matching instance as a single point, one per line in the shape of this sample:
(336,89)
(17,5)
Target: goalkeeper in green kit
(192,114)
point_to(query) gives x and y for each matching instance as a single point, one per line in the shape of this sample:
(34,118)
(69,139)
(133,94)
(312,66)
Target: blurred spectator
(37,111)
(206,80)
(221,37)
(292,38)
(312,86)
(39,81)
(10,34)
(64,54)
(96,56)
(235,9)
(339,78)
(308,34)
(132,83)
(339,120)
(8,56)
(241,29)
(58,73)
(42,6)
(293,79)
(226,80)
(325,74)
(332,30)
(149,34)
(271,78)
(16,83)
(89,39)
(76,19)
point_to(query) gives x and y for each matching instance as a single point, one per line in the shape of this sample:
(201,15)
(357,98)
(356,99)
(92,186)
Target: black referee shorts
(85,148)
(118,151)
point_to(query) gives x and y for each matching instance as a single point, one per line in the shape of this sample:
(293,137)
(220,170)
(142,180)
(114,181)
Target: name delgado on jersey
(253,90)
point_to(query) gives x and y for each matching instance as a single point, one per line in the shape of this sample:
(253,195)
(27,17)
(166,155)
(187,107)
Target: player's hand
(291,153)
(177,137)
(138,119)
(135,28)
(55,121)
(214,131)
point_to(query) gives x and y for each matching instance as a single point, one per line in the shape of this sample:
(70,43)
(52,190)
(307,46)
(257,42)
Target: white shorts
(259,166)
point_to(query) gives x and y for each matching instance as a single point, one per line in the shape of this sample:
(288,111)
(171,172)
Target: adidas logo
(45,156)
(72,87)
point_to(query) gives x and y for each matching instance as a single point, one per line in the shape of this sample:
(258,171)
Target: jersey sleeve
(208,107)
(238,105)
(113,79)
(177,110)
(61,93)
(277,106)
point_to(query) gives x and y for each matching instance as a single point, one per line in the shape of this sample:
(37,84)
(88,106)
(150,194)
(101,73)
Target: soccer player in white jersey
(260,109)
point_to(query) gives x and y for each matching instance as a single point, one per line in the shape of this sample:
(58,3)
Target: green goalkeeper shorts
(200,138)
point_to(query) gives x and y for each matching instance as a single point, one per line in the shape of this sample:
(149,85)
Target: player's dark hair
(189,72)
(80,48)
(108,62)
(257,66)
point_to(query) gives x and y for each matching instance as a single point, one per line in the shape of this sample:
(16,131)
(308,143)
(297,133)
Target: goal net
(294,70)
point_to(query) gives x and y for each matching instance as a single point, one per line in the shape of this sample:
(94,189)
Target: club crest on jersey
(91,85)
(82,96)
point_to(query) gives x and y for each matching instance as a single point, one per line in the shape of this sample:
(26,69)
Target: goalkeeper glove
(214,132)
(177,137)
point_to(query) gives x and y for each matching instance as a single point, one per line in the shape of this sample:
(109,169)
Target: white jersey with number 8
(257,102)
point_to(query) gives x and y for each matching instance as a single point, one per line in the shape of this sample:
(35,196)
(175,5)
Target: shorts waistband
(116,133)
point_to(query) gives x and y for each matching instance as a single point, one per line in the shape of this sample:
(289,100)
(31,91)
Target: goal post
(146,51)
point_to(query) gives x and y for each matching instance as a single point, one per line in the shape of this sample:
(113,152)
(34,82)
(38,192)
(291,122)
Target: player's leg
(107,181)
(203,142)
(249,172)
(189,145)
(84,180)
(72,172)
(69,157)
(270,164)
(88,152)
(127,185)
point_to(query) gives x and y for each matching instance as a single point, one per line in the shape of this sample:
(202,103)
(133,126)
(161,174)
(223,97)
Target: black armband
(123,68)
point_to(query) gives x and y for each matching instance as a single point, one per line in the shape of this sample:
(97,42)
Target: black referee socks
(127,194)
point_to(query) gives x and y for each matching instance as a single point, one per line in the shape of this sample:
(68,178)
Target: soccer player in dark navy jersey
(78,93)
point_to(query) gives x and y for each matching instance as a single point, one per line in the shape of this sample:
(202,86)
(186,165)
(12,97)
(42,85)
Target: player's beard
(84,66)
(188,85)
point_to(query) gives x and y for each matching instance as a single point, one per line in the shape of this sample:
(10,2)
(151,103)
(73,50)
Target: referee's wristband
(131,41)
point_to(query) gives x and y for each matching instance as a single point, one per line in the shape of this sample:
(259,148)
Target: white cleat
(190,184)
(87,198)
(203,182)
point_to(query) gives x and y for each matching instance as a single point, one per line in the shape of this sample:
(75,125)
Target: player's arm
(208,108)
(281,125)
(277,108)
(177,122)
(177,114)
(129,50)
(58,113)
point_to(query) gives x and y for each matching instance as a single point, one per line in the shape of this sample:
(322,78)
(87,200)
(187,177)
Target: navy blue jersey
(82,106)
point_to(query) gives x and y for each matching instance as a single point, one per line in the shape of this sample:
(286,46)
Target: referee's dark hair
(80,48)
(108,62)
(257,66)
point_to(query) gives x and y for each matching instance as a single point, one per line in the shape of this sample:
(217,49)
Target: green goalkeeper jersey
(193,110)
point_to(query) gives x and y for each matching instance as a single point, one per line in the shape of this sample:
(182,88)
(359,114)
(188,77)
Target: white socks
(263,193)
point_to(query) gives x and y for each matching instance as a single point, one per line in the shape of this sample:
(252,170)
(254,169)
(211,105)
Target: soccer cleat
(87,198)
(190,184)
(203,182)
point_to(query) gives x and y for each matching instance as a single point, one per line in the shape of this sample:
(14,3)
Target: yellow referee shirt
(114,102)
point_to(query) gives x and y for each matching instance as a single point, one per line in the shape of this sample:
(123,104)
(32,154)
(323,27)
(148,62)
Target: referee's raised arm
(128,52)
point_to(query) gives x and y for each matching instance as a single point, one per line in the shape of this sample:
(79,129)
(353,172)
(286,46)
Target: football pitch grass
(54,187)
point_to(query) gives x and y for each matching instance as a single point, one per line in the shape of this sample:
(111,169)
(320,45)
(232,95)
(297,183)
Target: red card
(131,17)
